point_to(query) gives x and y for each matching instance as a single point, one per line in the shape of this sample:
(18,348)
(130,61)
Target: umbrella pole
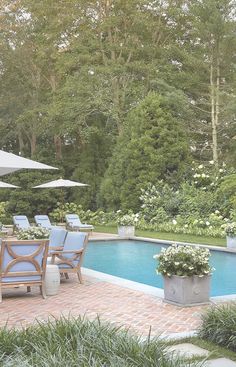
(62,204)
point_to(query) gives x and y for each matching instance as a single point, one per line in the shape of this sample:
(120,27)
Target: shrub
(230,229)
(183,261)
(219,325)
(97,217)
(128,220)
(33,233)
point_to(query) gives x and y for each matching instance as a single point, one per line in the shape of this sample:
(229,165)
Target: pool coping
(148,289)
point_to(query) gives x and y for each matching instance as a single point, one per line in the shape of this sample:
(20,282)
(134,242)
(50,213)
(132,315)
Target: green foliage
(219,325)
(183,261)
(197,202)
(226,193)
(33,233)
(78,342)
(118,107)
(230,229)
(26,200)
(92,163)
(97,217)
(153,145)
(3,206)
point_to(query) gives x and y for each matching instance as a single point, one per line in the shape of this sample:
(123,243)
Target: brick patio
(122,306)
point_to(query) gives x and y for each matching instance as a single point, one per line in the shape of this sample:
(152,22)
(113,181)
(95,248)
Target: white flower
(207,223)
(174,221)
(200,166)
(211,162)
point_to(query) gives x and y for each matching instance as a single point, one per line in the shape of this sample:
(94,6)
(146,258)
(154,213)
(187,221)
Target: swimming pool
(133,260)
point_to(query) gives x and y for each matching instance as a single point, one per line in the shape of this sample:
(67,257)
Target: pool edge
(147,289)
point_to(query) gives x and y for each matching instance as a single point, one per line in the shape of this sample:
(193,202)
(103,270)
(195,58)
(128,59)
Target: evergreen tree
(153,146)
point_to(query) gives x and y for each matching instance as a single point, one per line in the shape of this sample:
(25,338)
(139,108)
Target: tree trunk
(58,147)
(33,142)
(213,116)
(21,143)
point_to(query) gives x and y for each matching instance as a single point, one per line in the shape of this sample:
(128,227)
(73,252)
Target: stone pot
(231,241)
(126,231)
(187,291)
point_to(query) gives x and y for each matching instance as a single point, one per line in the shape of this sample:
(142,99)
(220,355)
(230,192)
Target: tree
(153,146)
(214,29)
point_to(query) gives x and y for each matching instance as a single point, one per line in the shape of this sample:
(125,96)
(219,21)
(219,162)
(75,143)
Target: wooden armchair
(70,258)
(23,263)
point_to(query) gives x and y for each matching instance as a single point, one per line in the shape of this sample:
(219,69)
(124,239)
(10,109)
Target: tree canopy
(118,93)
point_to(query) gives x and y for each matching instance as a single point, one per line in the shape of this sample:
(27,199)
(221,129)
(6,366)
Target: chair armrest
(58,252)
(55,249)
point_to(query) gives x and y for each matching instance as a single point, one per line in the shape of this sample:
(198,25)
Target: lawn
(169,236)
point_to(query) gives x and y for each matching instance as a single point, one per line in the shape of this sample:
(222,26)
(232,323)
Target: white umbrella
(4,185)
(60,183)
(10,162)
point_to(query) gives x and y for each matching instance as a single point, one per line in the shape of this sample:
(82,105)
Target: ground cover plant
(219,325)
(79,342)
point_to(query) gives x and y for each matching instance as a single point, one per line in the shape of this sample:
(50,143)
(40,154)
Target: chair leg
(43,292)
(66,275)
(28,288)
(0,294)
(80,276)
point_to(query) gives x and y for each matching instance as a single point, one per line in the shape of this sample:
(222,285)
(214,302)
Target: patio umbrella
(10,162)
(4,185)
(60,183)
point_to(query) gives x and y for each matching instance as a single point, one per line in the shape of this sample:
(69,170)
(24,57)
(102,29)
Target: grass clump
(77,342)
(219,325)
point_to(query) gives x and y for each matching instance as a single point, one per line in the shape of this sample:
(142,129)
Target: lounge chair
(43,221)
(23,263)
(73,223)
(69,259)
(21,222)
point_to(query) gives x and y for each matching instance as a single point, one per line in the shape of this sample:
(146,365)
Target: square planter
(187,291)
(126,231)
(231,241)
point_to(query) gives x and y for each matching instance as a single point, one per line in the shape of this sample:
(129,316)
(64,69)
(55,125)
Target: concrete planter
(231,241)
(187,291)
(126,231)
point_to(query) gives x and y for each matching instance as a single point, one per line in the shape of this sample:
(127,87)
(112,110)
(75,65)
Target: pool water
(133,260)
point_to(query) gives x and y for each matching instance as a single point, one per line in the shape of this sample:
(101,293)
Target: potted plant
(187,273)
(33,233)
(230,231)
(126,225)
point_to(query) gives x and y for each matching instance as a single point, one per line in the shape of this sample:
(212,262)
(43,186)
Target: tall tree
(153,146)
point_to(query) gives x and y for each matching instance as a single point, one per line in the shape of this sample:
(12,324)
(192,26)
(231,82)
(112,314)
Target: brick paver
(122,306)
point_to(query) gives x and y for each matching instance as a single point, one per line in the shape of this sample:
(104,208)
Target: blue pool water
(133,260)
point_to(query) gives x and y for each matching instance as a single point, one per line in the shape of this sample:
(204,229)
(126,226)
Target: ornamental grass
(77,342)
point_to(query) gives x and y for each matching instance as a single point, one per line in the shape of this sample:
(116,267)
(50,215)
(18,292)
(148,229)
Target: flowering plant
(33,233)
(183,261)
(128,220)
(230,229)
